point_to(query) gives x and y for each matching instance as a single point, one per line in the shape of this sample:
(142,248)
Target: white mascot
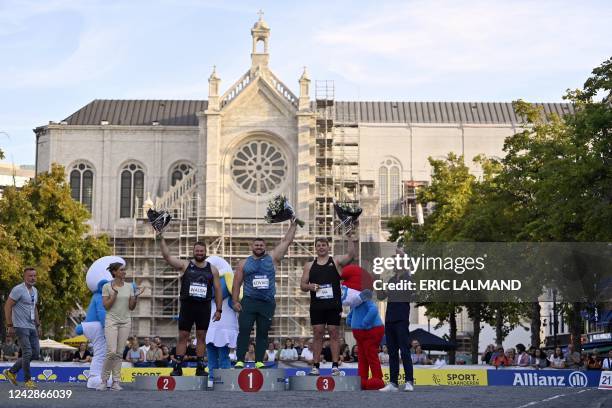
(93,325)
(222,334)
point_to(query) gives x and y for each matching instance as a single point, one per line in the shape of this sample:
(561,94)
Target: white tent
(55,345)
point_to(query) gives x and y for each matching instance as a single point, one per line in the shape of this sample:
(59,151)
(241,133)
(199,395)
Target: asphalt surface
(422,397)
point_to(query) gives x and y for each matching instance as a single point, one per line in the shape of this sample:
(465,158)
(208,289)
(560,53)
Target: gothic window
(81,184)
(132,189)
(179,171)
(258,167)
(389,174)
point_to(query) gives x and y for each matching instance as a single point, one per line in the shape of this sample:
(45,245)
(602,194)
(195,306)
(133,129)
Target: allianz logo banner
(544,378)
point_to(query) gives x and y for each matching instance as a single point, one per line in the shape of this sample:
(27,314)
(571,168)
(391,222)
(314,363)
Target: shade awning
(430,341)
(55,345)
(75,341)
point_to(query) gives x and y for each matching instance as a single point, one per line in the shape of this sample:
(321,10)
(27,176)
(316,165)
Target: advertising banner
(544,378)
(444,376)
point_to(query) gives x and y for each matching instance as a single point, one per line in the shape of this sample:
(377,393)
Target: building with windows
(216,162)
(12,175)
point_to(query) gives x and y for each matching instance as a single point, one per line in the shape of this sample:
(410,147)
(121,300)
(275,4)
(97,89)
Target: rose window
(259,167)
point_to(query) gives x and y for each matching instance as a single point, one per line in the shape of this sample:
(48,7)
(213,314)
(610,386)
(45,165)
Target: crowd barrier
(430,376)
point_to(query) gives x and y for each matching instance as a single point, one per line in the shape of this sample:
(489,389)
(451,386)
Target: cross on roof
(260,13)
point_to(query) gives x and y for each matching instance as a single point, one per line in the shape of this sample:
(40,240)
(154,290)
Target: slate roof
(183,112)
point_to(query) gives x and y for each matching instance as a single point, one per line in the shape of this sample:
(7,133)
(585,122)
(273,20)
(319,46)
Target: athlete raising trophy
(258,274)
(321,277)
(198,278)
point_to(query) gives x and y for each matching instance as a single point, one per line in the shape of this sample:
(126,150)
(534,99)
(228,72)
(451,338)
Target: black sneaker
(177,372)
(201,371)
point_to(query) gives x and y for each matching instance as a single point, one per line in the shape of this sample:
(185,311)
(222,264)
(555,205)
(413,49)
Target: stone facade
(254,141)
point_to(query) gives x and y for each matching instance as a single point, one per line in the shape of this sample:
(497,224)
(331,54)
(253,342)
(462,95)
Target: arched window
(390,187)
(81,184)
(179,171)
(132,189)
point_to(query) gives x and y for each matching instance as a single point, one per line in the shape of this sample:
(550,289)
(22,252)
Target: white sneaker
(336,371)
(408,387)
(102,386)
(314,371)
(389,388)
(116,386)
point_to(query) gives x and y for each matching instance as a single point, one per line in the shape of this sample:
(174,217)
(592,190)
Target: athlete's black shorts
(194,312)
(328,316)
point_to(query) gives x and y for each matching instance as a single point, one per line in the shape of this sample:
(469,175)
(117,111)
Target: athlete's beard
(199,258)
(259,252)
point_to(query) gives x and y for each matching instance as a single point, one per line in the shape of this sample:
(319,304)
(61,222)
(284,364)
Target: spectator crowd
(152,352)
(538,358)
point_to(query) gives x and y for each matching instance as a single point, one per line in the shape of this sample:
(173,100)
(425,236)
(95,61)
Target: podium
(168,383)
(325,383)
(249,379)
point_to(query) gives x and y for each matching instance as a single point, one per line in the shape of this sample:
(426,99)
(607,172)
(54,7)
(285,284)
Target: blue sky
(58,55)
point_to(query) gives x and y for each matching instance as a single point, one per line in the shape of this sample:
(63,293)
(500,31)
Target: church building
(215,163)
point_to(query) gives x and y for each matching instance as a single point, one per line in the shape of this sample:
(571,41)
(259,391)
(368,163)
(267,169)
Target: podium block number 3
(325,384)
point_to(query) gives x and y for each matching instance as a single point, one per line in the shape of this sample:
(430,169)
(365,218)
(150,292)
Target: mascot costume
(368,328)
(93,325)
(222,334)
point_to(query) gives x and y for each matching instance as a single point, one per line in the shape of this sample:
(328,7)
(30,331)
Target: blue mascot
(366,324)
(93,325)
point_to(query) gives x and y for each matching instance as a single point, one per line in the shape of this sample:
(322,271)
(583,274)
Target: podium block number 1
(250,380)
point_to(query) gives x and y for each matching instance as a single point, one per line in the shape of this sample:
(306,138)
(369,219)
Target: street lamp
(555,317)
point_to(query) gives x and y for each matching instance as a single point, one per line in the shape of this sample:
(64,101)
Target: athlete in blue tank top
(258,274)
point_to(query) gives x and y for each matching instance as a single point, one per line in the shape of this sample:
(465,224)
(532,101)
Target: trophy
(280,210)
(159,219)
(348,214)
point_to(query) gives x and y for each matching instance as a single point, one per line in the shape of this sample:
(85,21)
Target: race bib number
(261,282)
(325,292)
(198,290)
(605,381)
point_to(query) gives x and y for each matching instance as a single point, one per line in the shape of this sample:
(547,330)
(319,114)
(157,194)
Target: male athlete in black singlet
(321,278)
(197,282)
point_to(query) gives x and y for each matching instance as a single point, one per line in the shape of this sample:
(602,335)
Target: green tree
(450,191)
(560,169)
(466,209)
(47,229)
(445,313)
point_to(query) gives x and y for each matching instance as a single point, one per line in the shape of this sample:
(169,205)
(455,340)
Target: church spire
(260,33)
(304,101)
(213,90)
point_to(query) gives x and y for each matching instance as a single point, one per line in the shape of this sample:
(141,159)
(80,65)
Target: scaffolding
(324,157)
(336,157)
(227,237)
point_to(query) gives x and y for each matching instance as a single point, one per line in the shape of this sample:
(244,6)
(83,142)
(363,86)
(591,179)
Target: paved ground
(423,397)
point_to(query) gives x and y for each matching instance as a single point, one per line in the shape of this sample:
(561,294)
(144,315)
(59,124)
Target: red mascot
(368,328)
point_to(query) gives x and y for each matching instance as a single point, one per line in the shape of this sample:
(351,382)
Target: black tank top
(196,283)
(326,276)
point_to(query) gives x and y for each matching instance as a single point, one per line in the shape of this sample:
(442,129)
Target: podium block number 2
(166,383)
